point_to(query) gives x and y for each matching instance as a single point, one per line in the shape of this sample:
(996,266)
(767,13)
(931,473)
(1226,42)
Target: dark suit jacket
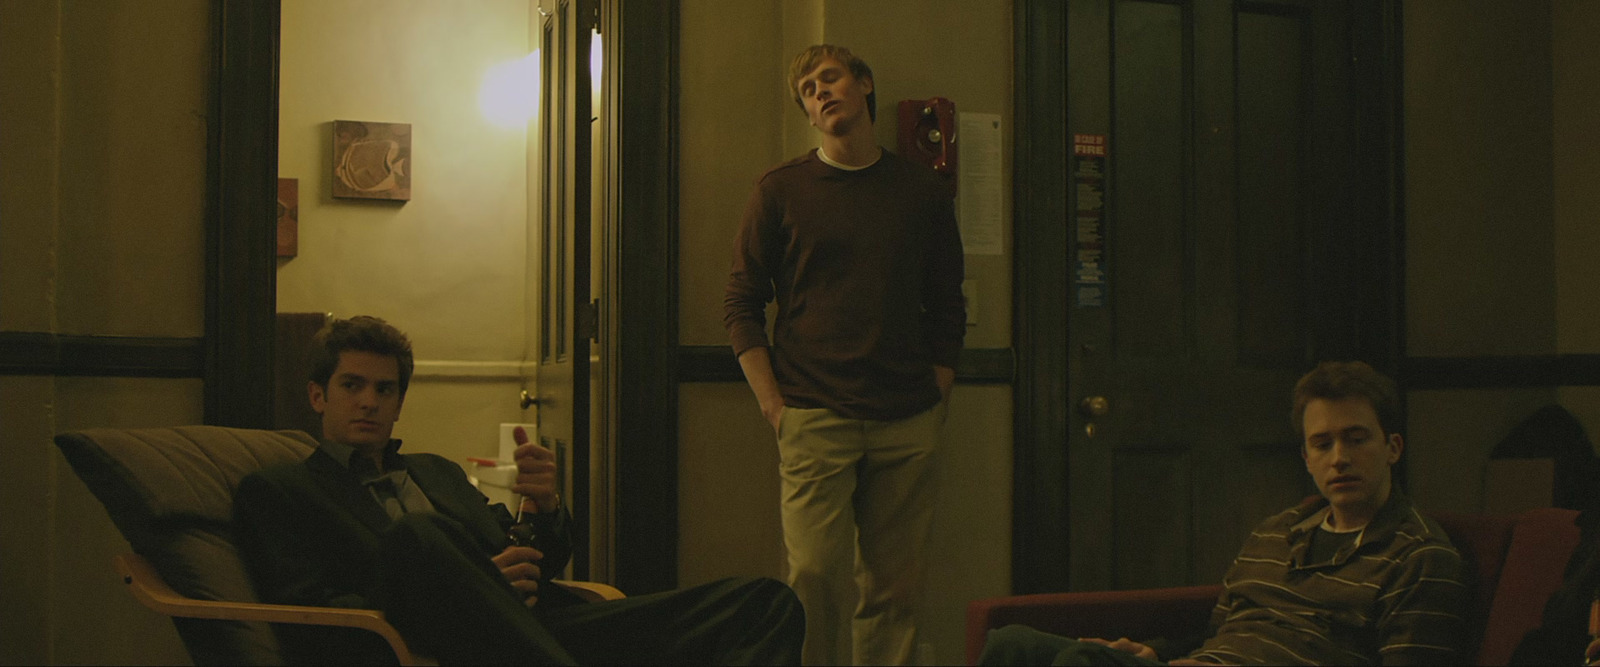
(310,534)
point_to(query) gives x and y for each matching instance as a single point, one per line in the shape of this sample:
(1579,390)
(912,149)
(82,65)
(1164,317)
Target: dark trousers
(1022,645)
(449,599)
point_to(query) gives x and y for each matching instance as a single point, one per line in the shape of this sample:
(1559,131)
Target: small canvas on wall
(288,217)
(371,160)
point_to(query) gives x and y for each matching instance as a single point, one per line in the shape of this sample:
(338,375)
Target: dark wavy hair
(1336,380)
(363,333)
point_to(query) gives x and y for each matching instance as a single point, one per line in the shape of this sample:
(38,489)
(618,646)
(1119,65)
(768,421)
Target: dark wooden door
(1219,252)
(565,321)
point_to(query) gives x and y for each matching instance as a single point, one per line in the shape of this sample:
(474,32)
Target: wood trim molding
(645,546)
(479,371)
(42,353)
(1040,521)
(1498,372)
(241,205)
(716,363)
(1379,136)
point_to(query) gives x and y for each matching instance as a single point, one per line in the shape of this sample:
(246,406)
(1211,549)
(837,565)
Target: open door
(1226,240)
(566,319)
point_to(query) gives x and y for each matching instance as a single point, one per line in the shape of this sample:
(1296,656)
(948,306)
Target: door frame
(241,268)
(643,247)
(1040,534)
(241,214)
(1041,531)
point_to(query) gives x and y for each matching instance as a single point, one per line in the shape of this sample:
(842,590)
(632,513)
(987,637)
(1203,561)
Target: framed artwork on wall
(371,160)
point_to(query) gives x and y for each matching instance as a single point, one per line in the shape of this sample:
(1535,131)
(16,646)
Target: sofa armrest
(1138,614)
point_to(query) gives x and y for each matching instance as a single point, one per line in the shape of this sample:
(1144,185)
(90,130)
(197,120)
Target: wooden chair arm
(150,589)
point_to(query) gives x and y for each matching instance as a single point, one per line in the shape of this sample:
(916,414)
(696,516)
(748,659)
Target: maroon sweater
(866,267)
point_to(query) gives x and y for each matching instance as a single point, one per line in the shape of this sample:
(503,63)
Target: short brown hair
(1337,380)
(808,60)
(363,333)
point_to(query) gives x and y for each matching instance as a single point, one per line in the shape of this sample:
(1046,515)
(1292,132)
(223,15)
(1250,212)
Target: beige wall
(736,120)
(1576,156)
(1575,60)
(1500,236)
(102,183)
(451,266)
(103,235)
(102,223)
(30,133)
(1478,176)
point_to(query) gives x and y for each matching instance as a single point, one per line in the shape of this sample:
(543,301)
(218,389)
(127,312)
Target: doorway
(240,358)
(1227,171)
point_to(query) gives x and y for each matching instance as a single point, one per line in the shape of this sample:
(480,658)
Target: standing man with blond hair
(860,249)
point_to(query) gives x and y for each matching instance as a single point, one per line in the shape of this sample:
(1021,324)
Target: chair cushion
(170,492)
(145,475)
(201,563)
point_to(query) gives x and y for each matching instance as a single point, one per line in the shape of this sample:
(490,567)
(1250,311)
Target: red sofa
(1514,563)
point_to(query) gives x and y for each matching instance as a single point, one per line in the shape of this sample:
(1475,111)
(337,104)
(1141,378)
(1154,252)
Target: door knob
(529,400)
(1094,406)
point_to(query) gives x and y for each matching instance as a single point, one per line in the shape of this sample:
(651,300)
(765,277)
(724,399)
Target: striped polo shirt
(1392,595)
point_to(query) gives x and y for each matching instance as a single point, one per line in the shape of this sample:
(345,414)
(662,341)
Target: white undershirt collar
(1327,525)
(837,165)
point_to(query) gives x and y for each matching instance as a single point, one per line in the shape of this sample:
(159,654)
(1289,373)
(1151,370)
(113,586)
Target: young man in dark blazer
(358,524)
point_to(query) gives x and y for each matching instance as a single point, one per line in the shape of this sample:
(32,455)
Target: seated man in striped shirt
(1357,576)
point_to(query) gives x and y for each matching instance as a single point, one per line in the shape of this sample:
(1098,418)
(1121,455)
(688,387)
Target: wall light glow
(594,63)
(509,97)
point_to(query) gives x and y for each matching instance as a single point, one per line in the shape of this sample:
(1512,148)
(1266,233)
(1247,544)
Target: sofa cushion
(1482,540)
(1541,543)
(170,492)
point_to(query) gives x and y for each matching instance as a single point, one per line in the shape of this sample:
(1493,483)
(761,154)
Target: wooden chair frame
(152,591)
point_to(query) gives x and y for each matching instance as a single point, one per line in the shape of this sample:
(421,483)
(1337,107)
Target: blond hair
(813,55)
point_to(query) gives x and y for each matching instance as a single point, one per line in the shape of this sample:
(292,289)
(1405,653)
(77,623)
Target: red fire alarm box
(928,136)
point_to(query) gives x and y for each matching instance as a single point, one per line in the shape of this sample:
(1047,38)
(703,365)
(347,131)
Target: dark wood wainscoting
(1539,370)
(716,363)
(36,353)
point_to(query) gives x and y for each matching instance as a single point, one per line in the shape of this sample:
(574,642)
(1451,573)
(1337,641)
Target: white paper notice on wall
(979,204)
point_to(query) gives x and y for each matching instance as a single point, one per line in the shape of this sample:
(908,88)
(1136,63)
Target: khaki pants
(858,497)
